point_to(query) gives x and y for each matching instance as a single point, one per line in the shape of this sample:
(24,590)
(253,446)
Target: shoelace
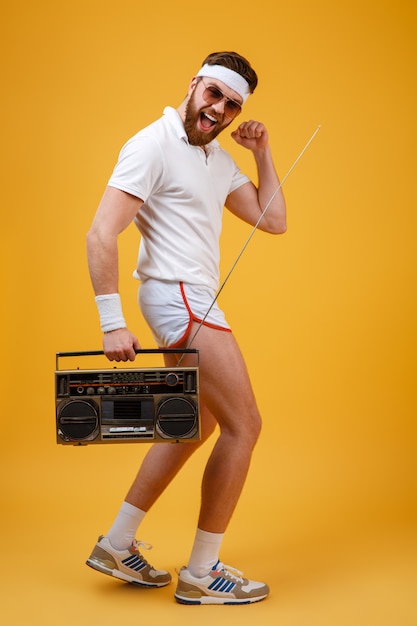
(136,544)
(235,574)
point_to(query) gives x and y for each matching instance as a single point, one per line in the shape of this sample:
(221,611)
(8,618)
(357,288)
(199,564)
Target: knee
(245,432)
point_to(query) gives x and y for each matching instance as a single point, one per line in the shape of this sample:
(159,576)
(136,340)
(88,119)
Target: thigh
(225,387)
(207,420)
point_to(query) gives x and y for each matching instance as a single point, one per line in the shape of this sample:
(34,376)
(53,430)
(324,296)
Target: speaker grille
(77,420)
(176,417)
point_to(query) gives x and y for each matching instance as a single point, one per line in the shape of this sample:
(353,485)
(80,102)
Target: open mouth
(207,122)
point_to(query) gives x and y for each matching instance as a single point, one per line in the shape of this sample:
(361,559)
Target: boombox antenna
(268,204)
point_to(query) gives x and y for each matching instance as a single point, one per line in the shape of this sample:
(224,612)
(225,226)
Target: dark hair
(237,63)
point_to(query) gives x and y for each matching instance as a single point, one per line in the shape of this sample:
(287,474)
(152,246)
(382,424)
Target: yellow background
(326,315)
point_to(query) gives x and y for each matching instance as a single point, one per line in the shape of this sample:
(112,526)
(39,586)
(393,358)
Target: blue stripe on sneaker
(222,584)
(134,562)
(225,587)
(215,584)
(139,566)
(228,588)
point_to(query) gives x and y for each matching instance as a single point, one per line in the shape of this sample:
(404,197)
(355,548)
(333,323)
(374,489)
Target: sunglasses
(213,94)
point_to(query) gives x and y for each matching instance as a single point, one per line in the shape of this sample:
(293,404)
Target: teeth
(212,119)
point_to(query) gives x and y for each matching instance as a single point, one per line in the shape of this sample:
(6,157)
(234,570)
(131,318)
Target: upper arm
(244,203)
(117,209)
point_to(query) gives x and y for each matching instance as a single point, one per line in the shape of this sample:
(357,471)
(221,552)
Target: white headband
(229,77)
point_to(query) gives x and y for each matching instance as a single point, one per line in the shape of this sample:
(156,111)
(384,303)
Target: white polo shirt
(184,192)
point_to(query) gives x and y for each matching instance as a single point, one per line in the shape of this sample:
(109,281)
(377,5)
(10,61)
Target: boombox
(121,405)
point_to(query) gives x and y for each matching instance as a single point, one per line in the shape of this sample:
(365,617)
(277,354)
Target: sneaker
(128,565)
(223,585)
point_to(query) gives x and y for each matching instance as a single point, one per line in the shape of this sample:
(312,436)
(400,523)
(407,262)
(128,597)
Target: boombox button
(171,379)
(101,390)
(111,390)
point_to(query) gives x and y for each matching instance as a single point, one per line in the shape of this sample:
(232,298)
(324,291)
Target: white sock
(205,552)
(124,528)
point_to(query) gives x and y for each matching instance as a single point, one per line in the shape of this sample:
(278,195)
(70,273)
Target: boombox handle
(141,351)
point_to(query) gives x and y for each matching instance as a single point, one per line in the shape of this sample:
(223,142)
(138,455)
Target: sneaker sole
(217,600)
(99,567)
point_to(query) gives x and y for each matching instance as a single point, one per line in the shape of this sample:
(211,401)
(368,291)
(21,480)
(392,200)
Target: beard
(196,137)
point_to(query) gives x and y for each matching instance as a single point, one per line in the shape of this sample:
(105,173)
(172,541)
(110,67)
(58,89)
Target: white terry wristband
(110,311)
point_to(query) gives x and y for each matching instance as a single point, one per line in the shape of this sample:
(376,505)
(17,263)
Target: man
(173,180)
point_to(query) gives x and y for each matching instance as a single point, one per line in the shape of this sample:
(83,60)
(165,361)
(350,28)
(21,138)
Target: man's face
(203,122)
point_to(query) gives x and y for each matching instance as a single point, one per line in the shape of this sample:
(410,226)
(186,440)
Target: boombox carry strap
(140,351)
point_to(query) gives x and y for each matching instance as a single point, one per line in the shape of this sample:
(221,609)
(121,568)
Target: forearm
(269,188)
(116,210)
(118,342)
(254,136)
(103,262)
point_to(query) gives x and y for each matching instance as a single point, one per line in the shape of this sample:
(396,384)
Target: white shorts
(170,309)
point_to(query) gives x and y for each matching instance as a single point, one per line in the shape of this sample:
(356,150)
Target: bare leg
(226,393)
(162,463)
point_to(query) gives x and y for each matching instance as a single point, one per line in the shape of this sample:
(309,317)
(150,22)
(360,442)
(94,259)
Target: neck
(182,108)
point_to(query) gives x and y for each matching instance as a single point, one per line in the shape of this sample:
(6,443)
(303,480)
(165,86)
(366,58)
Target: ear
(192,85)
